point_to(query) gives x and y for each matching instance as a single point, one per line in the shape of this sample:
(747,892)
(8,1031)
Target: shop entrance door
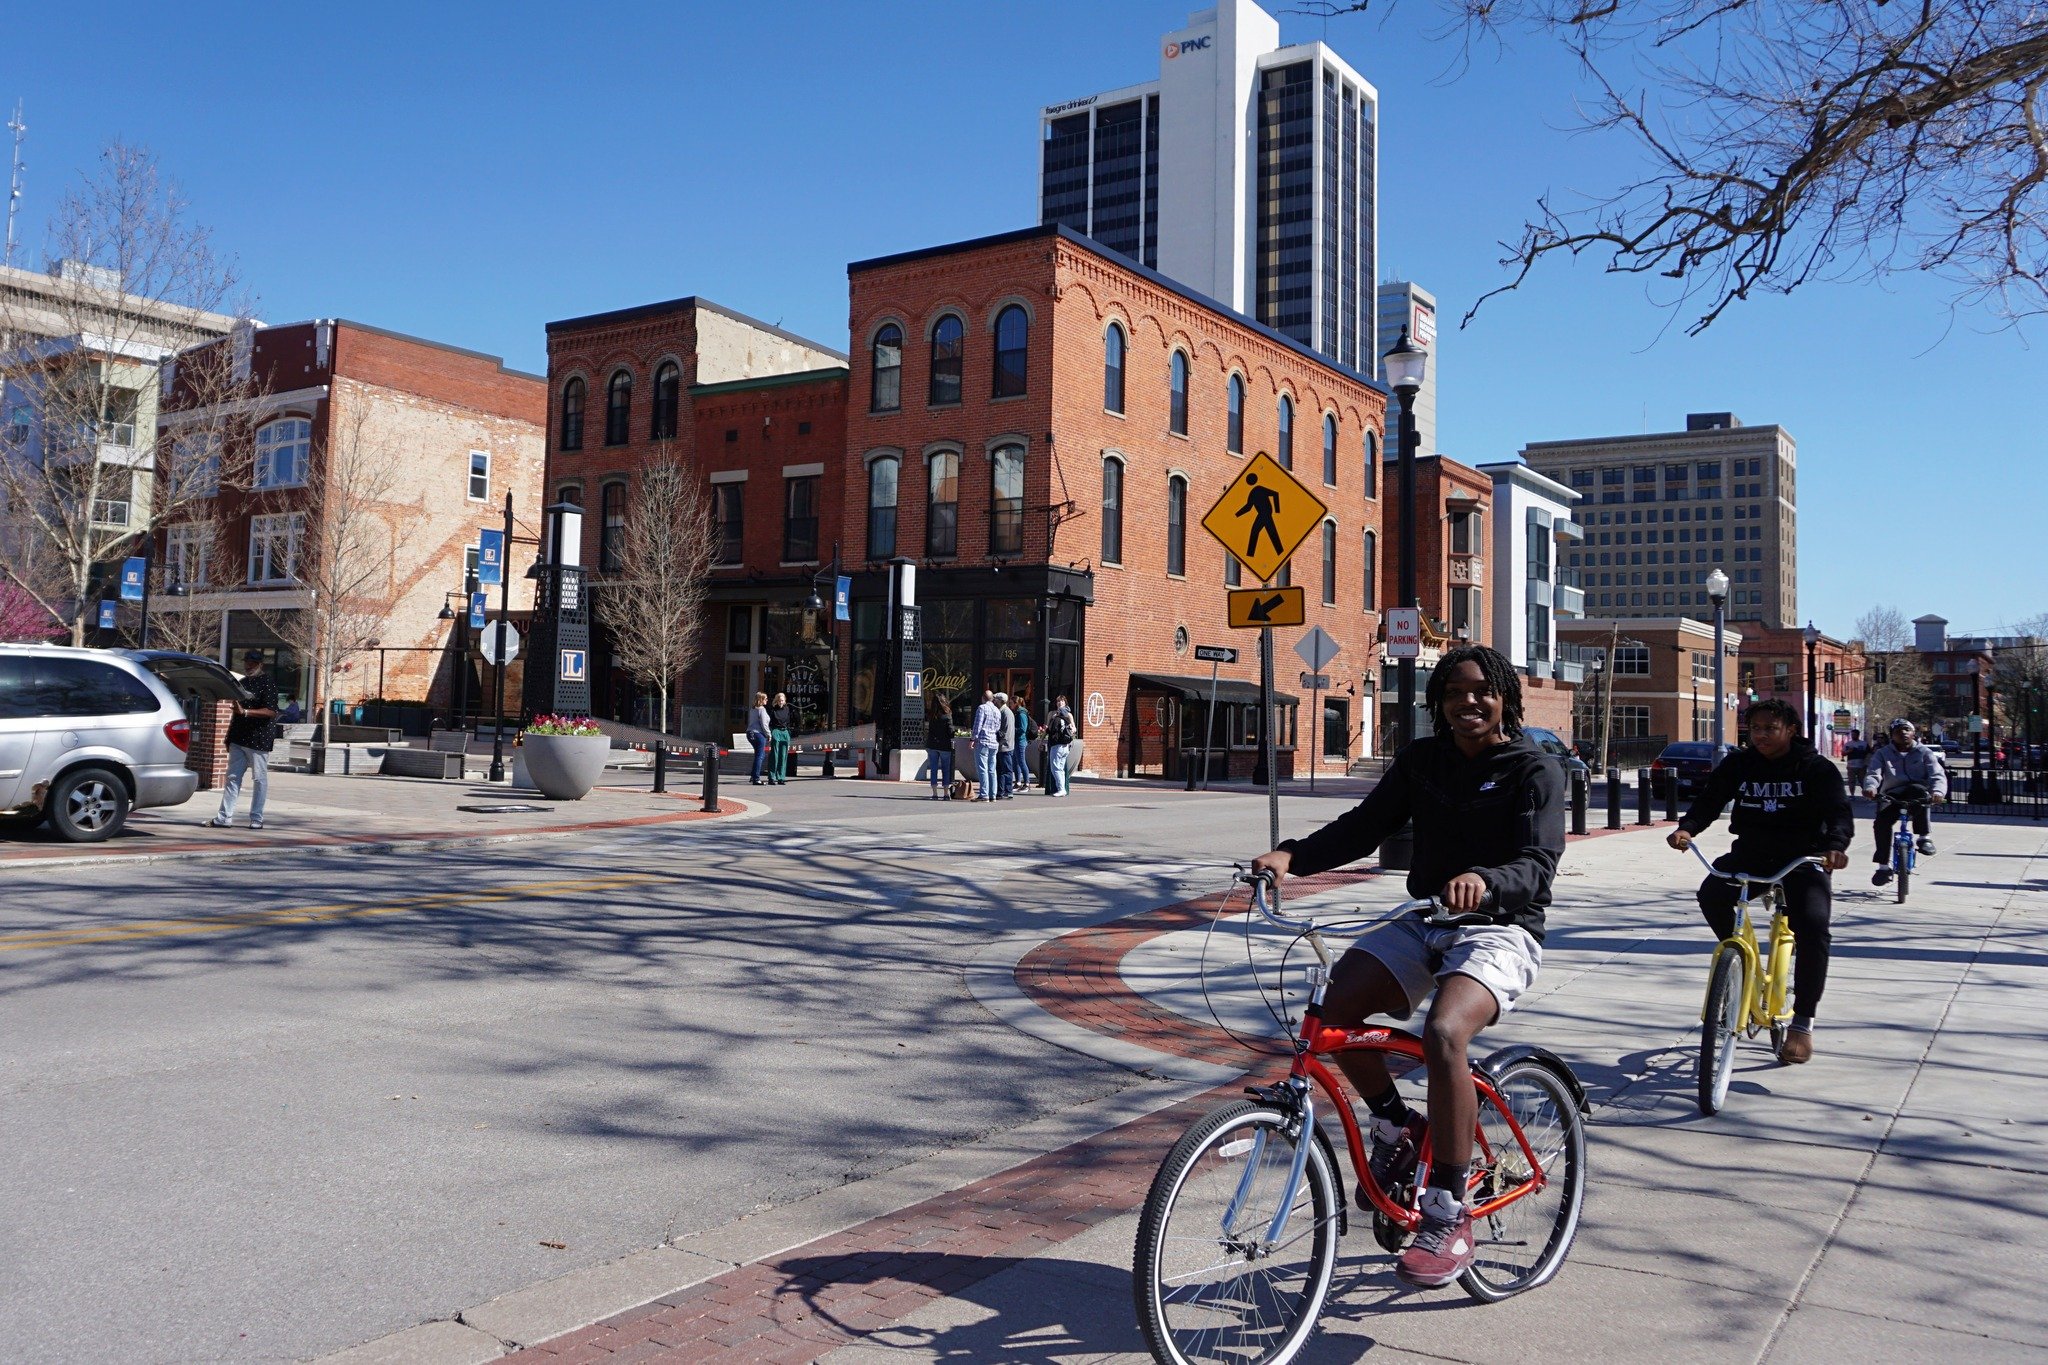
(1018,683)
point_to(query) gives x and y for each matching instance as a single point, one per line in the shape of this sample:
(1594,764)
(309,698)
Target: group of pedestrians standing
(1001,735)
(768,730)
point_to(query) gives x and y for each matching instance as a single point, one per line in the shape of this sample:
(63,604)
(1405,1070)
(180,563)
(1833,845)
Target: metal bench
(432,763)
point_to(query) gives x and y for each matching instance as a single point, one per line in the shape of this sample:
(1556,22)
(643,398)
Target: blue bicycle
(1905,854)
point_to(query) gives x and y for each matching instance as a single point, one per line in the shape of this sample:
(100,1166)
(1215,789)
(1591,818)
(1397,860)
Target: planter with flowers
(564,755)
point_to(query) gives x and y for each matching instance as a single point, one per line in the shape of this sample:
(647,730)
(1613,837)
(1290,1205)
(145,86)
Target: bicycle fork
(1300,1107)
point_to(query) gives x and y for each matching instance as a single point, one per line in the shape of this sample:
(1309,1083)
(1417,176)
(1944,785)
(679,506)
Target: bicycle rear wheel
(1725,1005)
(1209,1286)
(1522,1243)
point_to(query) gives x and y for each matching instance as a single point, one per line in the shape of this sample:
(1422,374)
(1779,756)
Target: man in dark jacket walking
(1487,806)
(1789,803)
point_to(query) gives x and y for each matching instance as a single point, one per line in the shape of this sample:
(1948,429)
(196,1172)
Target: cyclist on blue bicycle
(1789,803)
(1904,775)
(1487,807)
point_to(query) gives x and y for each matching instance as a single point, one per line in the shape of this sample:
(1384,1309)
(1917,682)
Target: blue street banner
(490,557)
(479,610)
(133,571)
(842,598)
(107,611)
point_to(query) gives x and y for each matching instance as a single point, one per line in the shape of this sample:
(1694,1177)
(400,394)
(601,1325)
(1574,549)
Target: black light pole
(1406,364)
(1717,593)
(497,773)
(1812,682)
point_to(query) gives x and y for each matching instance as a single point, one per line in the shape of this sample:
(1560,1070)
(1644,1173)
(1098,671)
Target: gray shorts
(1503,958)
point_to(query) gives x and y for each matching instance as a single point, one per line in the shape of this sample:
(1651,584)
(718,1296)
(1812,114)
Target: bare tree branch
(653,602)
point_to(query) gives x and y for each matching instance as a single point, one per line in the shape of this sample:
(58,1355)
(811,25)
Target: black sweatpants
(1809,898)
(1888,813)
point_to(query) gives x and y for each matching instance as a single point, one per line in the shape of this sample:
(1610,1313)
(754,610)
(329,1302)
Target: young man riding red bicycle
(1487,806)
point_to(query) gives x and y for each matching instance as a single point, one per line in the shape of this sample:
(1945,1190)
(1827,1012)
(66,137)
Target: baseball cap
(252,656)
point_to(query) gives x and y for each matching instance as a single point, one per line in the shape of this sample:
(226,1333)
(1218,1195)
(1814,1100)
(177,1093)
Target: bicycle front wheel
(1212,1283)
(1725,1005)
(1522,1243)
(1899,880)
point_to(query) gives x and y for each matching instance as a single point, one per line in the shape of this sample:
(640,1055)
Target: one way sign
(1254,608)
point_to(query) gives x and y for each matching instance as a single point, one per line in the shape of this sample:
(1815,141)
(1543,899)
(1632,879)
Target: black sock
(1388,1104)
(1450,1178)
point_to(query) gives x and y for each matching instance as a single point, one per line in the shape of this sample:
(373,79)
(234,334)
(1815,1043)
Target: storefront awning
(1197,689)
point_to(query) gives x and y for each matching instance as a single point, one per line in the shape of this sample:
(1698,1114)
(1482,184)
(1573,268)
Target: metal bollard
(1645,810)
(660,768)
(711,779)
(1582,788)
(1671,799)
(1614,798)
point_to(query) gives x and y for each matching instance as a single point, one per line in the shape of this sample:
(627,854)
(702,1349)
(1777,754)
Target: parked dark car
(1686,762)
(1549,743)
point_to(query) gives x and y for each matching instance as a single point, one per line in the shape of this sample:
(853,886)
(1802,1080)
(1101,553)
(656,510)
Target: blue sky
(469,172)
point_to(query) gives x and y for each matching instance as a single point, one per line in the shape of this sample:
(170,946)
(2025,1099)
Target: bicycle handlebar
(1266,885)
(1751,877)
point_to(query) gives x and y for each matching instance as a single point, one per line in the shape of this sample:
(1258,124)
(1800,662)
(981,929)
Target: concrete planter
(565,767)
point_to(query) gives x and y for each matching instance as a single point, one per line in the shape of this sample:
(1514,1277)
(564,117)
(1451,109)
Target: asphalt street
(271,1108)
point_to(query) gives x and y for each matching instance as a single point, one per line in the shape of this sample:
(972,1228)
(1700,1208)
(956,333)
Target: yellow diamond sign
(1263,516)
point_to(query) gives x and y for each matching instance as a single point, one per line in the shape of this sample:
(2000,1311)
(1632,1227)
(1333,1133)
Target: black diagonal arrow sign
(1252,608)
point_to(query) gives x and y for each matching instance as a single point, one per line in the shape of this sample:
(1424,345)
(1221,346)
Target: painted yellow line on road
(308,914)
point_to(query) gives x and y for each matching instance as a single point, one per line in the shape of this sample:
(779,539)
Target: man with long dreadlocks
(1488,810)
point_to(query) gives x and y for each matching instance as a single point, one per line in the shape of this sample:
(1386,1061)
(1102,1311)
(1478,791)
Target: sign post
(491,559)
(1216,655)
(1316,650)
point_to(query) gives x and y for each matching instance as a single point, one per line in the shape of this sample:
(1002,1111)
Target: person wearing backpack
(1059,735)
(1020,757)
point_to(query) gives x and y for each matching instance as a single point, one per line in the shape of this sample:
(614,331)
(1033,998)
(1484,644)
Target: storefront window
(1013,618)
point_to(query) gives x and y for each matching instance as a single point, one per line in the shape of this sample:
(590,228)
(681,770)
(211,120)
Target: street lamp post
(1406,364)
(1812,682)
(1717,593)
(1599,667)
(497,772)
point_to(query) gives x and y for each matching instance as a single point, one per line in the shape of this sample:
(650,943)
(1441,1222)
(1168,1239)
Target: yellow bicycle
(1748,988)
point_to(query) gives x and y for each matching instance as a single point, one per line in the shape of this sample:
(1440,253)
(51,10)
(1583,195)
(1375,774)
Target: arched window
(668,393)
(1370,570)
(885,383)
(1330,449)
(1177,526)
(1006,500)
(942,511)
(1013,348)
(1177,395)
(1113,368)
(618,408)
(611,552)
(570,492)
(1284,447)
(1112,510)
(949,349)
(883,472)
(1372,464)
(1233,439)
(282,448)
(1329,563)
(572,415)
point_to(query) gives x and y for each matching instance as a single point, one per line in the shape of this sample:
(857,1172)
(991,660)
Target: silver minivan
(87,735)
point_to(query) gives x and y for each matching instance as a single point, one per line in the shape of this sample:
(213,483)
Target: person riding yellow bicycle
(1789,803)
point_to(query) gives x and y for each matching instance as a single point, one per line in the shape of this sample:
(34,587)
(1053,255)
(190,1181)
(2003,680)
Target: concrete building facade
(1247,172)
(1410,306)
(1534,532)
(1663,510)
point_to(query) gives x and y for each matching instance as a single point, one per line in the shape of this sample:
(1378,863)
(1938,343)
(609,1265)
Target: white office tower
(1411,306)
(1246,172)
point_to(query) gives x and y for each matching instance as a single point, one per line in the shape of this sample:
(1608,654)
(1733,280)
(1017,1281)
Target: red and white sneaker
(1443,1247)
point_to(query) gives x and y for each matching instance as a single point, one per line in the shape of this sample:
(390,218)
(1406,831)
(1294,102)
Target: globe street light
(1717,593)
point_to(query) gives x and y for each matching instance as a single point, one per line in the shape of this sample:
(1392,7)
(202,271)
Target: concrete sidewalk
(366,813)
(1884,1203)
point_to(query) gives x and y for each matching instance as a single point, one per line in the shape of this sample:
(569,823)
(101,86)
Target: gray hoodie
(1892,767)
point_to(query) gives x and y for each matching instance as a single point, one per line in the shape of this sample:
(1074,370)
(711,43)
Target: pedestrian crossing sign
(1264,516)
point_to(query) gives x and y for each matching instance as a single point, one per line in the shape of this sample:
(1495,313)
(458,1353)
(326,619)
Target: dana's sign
(1201,44)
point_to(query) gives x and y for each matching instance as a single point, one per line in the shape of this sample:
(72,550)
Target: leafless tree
(1884,630)
(2020,674)
(349,532)
(653,601)
(84,478)
(1785,141)
(1897,681)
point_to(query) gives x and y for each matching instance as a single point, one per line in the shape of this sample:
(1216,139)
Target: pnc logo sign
(1189,45)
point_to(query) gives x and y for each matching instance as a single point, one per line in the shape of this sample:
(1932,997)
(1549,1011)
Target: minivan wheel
(88,805)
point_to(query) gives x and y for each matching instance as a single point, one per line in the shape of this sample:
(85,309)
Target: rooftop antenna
(20,131)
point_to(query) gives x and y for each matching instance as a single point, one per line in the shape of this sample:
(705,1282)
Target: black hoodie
(1500,815)
(1785,808)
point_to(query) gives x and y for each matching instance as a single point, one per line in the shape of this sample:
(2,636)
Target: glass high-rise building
(1248,172)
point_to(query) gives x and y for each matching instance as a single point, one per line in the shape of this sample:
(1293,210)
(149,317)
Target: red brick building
(1773,664)
(761,414)
(441,434)
(1451,542)
(1042,424)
